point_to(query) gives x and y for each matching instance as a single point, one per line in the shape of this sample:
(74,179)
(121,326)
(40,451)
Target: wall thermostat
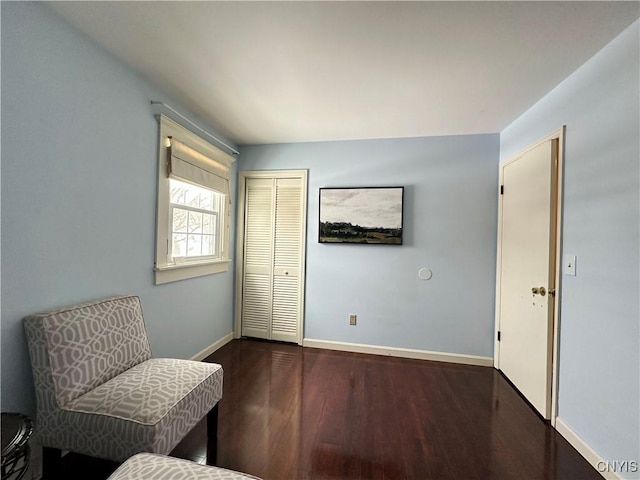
(424,274)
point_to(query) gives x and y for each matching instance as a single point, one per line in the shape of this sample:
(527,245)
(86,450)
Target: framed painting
(367,215)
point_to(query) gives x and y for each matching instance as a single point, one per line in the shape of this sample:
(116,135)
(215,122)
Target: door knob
(535,290)
(539,291)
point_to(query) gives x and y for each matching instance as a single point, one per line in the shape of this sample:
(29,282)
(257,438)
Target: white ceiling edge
(288,72)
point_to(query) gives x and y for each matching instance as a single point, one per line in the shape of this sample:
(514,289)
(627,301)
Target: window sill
(174,273)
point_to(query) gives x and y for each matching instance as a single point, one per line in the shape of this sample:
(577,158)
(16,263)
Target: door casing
(559,136)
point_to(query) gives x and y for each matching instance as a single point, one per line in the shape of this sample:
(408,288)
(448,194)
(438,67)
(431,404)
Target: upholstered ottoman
(149,466)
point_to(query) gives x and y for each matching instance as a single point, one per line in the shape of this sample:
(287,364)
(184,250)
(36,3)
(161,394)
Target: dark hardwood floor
(301,413)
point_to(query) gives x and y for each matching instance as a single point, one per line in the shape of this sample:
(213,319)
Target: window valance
(186,163)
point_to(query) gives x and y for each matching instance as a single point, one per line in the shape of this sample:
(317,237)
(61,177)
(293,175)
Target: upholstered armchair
(99,392)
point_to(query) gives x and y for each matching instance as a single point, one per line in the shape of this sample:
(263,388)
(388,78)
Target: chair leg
(212,436)
(51,458)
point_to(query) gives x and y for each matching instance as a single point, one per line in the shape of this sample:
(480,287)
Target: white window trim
(164,271)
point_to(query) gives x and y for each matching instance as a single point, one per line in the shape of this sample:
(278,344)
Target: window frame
(166,270)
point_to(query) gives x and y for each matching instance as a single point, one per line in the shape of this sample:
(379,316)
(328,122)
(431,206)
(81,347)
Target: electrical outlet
(352,318)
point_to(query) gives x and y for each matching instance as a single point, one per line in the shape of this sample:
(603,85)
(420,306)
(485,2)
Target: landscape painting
(361,215)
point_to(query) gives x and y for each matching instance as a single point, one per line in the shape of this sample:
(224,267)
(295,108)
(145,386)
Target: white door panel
(258,258)
(256,305)
(527,273)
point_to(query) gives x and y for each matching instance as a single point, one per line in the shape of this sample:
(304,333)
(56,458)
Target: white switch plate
(570,265)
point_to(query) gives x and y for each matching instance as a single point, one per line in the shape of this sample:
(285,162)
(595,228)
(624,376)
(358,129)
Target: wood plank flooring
(301,413)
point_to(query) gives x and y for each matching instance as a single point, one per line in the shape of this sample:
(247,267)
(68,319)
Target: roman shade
(186,163)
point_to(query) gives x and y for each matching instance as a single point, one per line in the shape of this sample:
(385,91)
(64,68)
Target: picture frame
(361,215)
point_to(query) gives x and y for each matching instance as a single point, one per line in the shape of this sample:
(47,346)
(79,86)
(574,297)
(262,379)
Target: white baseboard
(201,355)
(400,352)
(586,451)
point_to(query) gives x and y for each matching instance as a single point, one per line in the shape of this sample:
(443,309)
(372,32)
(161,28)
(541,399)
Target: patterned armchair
(100,393)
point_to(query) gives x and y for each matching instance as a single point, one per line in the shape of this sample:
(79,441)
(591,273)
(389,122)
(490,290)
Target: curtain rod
(233,150)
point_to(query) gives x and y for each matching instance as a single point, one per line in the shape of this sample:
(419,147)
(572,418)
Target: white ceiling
(269,72)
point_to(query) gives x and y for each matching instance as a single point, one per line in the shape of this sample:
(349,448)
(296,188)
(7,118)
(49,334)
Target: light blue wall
(450,222)
(78,222)
(79,166)
(599,377)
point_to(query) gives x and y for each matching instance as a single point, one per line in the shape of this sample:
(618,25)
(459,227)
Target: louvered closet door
(258,258)
(273,258)
(287,259)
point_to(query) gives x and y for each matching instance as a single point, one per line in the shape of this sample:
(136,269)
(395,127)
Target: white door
(257,282)
(527,272)
(287,260)
(271,274)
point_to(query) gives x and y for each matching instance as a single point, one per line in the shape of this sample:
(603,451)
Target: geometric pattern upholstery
(125,402)
(145,393)
(92,343)
(146,466)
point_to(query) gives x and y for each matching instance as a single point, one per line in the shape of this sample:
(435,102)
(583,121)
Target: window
(192,237)
(195,215)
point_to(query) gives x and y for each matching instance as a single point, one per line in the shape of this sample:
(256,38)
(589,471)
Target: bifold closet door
(258,258)
(273,258)
(286,298)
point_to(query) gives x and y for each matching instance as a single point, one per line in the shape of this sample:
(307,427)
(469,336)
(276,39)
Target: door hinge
(498,335)
(501,189)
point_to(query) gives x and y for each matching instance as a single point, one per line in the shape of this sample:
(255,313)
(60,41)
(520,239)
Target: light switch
(570,265)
